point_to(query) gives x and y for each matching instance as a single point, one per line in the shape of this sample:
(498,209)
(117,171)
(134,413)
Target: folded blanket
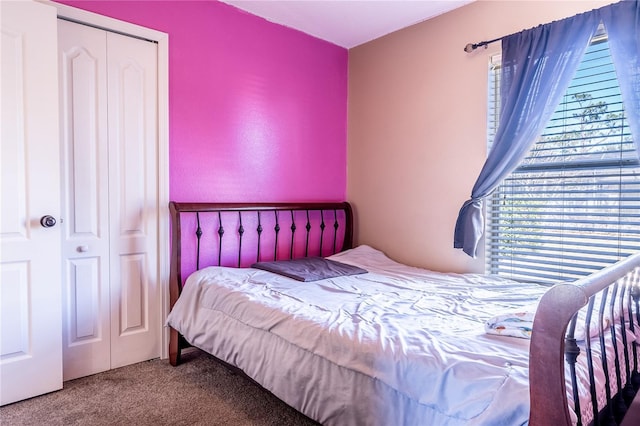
(519,323)
(514,324)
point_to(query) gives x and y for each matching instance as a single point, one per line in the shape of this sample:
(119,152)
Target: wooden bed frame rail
(332,225)
(551,344)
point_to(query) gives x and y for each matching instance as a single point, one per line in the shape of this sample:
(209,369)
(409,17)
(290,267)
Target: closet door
(133,183)
(109,141)
(30,302)
(85,199)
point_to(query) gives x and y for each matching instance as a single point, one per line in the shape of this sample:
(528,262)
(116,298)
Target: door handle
(48,221)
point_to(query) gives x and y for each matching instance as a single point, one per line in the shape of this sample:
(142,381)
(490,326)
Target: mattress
(396,346)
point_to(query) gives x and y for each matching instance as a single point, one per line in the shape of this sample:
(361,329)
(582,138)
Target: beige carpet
(200,391)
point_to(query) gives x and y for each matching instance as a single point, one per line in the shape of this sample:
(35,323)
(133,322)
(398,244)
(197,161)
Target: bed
(380,343)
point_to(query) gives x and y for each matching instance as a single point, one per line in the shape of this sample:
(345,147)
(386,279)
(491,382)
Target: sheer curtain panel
(622,23)
(538,65)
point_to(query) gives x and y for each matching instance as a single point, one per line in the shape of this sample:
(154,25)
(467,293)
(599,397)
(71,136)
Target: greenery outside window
(573,205)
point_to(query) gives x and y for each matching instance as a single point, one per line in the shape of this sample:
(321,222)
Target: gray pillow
(309,268)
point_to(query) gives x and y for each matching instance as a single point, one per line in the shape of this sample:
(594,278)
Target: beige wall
(417,126)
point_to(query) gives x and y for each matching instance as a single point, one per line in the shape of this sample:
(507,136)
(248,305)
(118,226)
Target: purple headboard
(239,234)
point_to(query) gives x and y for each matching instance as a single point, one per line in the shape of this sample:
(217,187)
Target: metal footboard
(585,338)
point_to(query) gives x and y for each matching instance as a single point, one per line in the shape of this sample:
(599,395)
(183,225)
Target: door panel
(133,298)
(132,77)
(30,302)
(15,310)
(85,163)
(85,314)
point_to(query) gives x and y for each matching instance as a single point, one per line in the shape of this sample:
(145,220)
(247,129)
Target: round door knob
(48,221)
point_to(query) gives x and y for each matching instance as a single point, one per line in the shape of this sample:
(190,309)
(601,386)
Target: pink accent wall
(258,111)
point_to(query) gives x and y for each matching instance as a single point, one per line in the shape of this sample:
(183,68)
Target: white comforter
(396,346)
(409,343)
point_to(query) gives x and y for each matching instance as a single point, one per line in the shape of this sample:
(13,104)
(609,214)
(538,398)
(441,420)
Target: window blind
(573,205)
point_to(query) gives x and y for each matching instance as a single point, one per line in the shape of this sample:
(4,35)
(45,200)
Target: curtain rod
(473,46)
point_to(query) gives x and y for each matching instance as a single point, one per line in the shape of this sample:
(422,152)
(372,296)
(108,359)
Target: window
(573,205)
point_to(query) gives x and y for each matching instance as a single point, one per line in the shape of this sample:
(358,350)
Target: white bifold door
(108,131)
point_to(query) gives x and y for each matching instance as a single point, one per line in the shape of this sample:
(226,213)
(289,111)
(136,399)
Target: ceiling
(347,23)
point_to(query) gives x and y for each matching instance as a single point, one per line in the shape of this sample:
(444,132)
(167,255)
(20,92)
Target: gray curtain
(537,67)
